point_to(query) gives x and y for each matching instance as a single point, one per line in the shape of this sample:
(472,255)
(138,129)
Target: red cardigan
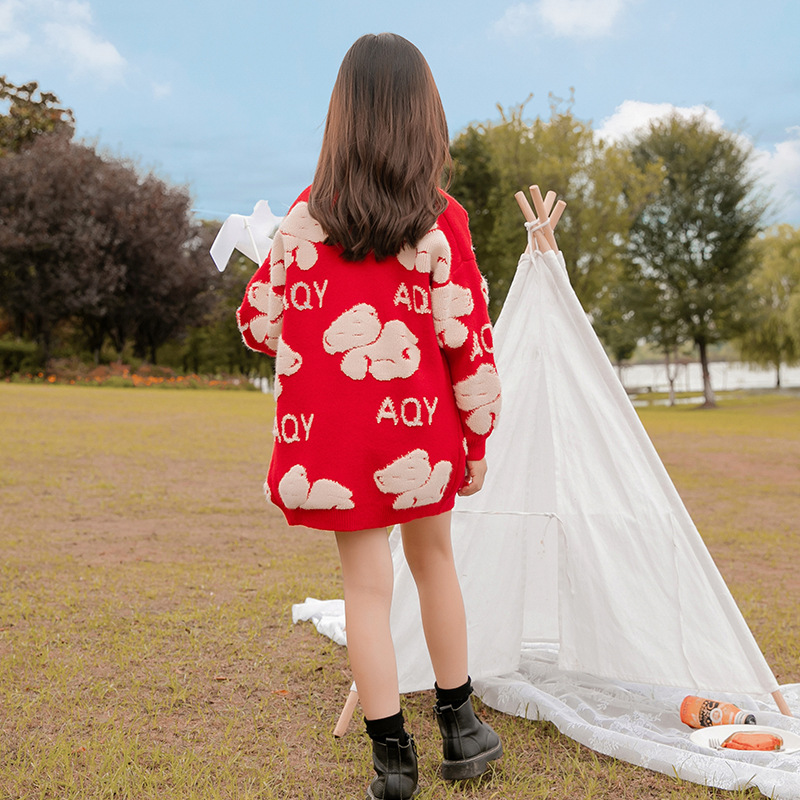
(385,382)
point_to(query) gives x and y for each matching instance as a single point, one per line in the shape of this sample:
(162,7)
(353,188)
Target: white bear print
(287,362)
(407,256)
(296,491)
(260,297)
(394,355)
(432,255)
(277,263)
(357,327)
(485,290)
(479,395)
(449,302)
(383,351)
(412,478)
(266,326)
(300,233)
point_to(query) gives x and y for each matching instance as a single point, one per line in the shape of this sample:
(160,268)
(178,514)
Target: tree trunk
(46,354)
(671,376)
(778,375)
(95,336)
(44,340)
(709,400)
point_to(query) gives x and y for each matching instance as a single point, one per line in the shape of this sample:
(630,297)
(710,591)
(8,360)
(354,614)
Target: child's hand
(473,480)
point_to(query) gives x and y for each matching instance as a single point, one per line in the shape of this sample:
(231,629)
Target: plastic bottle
(698,712)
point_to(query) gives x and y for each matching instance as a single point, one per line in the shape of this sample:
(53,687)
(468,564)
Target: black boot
(396,766)
(467,743)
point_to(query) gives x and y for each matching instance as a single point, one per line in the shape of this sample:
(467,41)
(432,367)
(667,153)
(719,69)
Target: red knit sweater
(385,381)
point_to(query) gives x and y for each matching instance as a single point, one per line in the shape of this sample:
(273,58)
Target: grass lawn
(146,643)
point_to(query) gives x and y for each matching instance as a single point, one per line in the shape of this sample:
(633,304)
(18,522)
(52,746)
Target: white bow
(249,235)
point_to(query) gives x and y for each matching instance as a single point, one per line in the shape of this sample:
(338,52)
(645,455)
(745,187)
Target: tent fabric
(327,616)
(579,535)
(641,724)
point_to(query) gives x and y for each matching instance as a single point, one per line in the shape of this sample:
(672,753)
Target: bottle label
(710,714)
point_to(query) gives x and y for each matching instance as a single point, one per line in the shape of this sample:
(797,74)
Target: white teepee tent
(579,536)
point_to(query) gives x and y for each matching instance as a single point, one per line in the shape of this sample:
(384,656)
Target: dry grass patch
(146,643)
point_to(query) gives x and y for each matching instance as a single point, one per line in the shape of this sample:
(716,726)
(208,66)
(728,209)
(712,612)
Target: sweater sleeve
(260,316)
(461,319)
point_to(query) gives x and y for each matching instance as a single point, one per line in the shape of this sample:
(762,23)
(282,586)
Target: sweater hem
(349,520)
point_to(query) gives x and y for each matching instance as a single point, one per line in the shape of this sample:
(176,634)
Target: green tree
(604,192)
(691,240)
(30,113)
(772,337)
(619,320)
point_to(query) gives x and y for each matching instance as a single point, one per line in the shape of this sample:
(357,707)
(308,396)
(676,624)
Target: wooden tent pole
(527,212)
(549,199)
(780,701)
(544,236)
(343,722)
(556,215)
(542,211)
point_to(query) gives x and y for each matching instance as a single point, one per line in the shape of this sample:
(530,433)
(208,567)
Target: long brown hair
(376,188)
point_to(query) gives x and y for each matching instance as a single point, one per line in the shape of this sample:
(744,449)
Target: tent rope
(549,514)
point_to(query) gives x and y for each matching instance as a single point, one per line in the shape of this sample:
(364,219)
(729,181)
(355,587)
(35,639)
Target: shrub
(19,356)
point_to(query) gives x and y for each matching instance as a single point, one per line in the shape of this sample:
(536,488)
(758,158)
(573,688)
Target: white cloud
(778,168)
(634,115)
(13,41)
(582,19)
(61,31)
(83,50)
(517,21)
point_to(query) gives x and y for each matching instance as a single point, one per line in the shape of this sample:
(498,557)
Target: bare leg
(368,581)
(429,553)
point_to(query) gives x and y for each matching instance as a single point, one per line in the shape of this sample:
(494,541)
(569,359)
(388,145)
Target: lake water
(725,376)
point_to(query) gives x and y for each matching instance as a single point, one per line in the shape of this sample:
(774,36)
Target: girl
(386,389)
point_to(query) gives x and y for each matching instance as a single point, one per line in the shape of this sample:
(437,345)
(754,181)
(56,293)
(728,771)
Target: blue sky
(230,98)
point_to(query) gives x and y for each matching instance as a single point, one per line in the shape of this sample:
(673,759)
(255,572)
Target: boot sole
(371,796)
(470,767)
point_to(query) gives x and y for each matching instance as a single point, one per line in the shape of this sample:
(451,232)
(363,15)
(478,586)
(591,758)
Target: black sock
(453,697)
(379,730)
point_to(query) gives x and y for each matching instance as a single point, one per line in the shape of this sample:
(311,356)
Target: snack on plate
(753,741)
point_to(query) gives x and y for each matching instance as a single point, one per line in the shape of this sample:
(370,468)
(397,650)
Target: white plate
(791,741)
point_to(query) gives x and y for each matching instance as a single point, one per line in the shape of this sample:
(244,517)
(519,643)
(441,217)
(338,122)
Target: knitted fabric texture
(385,382)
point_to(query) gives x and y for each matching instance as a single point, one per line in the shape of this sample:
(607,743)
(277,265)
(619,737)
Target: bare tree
(89,239)
(55,256)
